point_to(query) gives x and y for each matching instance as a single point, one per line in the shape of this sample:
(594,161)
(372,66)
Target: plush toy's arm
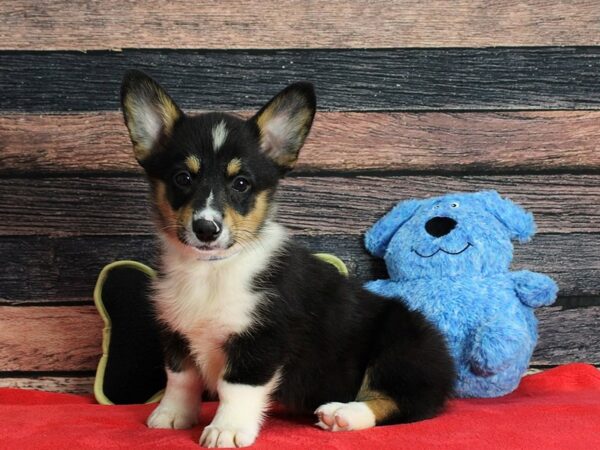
(534,289)
(497,344)
(386,288)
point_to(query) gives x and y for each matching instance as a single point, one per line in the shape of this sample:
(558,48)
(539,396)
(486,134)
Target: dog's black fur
(333,331)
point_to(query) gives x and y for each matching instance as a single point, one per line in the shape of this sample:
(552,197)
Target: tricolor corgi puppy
(246,311)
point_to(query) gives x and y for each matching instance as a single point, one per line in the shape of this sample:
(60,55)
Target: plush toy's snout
(440,226)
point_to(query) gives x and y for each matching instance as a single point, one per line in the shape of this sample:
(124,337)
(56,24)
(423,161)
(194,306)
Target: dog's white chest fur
(208,301)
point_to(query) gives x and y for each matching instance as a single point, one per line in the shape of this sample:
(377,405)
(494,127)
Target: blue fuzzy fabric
(461,281)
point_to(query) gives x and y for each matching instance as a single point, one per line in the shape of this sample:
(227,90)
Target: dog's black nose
(207,230)
(440,226)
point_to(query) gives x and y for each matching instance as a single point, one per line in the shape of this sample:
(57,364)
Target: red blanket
(557,409)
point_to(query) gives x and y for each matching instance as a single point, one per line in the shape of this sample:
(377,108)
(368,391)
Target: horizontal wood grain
(84,385)
(568,336)
(396,79)
(432,142)
(69,338)
(50,338)
(43,25)
(560,203)
(38,269)
(307,205)
(68,384)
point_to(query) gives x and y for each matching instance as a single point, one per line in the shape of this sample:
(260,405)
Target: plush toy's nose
(440,226)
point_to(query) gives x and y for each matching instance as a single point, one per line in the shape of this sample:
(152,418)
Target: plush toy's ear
(148,110)
(518,222)
(379,236)
(284,123)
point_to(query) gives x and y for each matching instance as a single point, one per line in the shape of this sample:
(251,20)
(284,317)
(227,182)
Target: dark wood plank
(68,338)
(67,384)
(560,203)
(42,25)
(426,142)
(308,205)
(29,268)
(568,336)
(50,338)
(37,270)
(396,79)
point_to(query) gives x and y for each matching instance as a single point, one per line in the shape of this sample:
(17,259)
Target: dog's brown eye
(182,179)
(241,184)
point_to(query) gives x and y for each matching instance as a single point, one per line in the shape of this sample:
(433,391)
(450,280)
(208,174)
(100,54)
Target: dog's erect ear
(379,235)
(518,222)
(284,123)
(148,110)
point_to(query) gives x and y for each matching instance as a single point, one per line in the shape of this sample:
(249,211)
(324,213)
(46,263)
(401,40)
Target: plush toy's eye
(454,205)
(182,179)
(436,207)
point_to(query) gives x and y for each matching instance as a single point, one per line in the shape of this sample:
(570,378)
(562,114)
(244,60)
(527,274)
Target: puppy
(246,311)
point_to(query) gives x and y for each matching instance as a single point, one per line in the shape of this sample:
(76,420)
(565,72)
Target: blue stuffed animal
(449,258)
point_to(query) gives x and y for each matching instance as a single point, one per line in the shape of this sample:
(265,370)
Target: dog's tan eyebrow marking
(219,134)
(234,167)
(193,163)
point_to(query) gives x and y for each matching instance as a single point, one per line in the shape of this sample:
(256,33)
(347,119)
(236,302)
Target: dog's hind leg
(409,378)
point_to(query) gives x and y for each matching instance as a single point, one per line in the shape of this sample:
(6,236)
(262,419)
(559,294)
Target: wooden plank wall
(415,99)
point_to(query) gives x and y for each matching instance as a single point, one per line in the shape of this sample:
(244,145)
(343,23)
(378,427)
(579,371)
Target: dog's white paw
(336,416)
(215,436)
(170,417)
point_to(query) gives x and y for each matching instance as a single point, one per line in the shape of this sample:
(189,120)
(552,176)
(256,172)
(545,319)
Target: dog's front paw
(170,417)
(215,436)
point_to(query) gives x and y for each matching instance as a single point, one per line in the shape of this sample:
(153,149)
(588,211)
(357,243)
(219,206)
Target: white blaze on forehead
(219,134)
